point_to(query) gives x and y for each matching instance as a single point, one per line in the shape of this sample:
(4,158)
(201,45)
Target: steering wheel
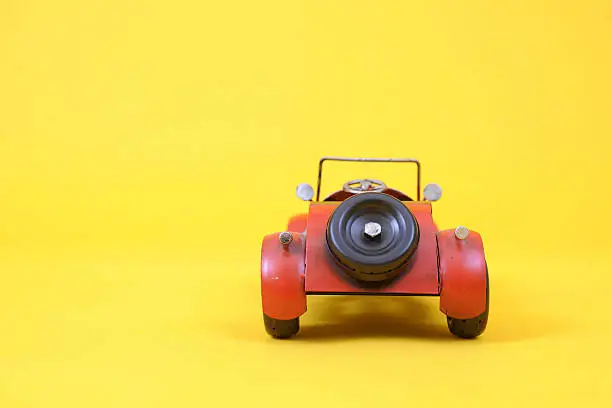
(364,186)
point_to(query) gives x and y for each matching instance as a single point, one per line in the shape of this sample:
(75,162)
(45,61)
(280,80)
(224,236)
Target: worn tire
(470,328)
(281,329)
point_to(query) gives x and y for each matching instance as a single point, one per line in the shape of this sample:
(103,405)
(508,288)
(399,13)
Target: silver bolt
(285,238)
(372,229)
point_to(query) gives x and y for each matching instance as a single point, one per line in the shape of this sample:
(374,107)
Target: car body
(370,239)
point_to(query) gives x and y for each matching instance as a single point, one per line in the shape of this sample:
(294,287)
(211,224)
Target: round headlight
(304,191)
(432,192)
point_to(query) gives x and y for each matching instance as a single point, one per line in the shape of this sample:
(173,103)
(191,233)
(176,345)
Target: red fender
(297,223)
(283,291)
(463,275)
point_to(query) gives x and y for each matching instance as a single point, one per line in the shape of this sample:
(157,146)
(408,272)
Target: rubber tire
(281,329)
(470,328)
(362,259)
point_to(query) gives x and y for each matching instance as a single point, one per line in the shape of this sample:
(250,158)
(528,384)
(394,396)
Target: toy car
(370,239)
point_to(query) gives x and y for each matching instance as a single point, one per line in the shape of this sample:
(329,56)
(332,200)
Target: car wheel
(281,329)
(470,328)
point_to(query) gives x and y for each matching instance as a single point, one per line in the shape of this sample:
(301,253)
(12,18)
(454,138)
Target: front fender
(282,277)
(463,275)
(297,223)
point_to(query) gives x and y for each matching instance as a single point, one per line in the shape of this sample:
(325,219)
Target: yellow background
(146,147)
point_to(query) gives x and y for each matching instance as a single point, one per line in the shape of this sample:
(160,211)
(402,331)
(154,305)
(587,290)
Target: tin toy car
(370,239)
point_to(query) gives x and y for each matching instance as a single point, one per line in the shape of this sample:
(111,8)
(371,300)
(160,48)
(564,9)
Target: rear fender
(463,275)
(282,277)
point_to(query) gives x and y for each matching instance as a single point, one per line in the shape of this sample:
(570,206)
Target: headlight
(432,192)
(304,192)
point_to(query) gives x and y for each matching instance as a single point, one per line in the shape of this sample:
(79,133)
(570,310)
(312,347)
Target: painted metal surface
(463,275)
(282,277)
(297,223)
(324,275)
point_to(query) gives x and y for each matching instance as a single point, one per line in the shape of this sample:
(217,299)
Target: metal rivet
(462,232)
(285,238)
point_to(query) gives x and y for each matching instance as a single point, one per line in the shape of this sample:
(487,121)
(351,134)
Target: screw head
(372,229)
(285,238)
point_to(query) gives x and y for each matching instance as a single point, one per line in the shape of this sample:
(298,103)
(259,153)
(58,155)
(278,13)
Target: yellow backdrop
(146,147)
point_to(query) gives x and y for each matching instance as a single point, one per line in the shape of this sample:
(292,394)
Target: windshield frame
(368,159)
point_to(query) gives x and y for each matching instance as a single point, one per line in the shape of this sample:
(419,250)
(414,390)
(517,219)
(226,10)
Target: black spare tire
(391,239)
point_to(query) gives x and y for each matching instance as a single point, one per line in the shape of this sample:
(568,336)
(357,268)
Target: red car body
(444,264)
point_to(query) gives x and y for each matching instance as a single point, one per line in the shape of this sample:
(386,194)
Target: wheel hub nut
(372,230)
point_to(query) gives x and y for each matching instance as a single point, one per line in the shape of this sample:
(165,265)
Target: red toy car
(369,239)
